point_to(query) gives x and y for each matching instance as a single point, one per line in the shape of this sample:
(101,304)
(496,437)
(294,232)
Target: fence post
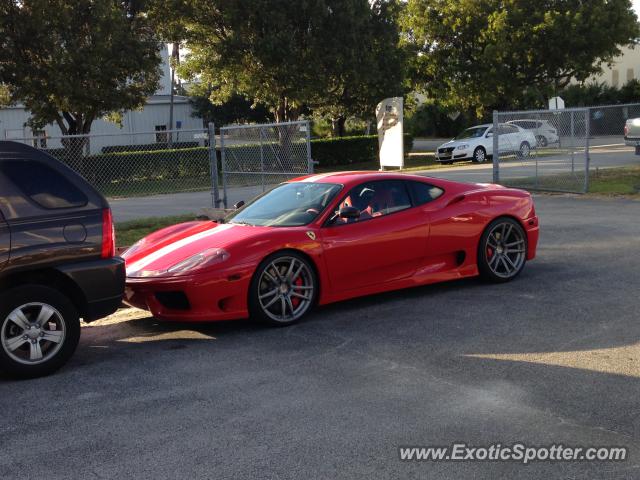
(261,158)
(496,153)
(224,168)
(587,159)
(573,144)
(309,159)
(213,165)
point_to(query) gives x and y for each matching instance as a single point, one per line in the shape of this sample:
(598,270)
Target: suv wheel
(39,331)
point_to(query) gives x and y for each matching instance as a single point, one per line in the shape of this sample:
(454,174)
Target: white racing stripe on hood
(143,262)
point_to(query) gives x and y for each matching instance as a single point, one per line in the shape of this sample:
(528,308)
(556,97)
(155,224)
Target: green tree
(333,56)
(73,61)
(479,54)
(362,60)
(236,109)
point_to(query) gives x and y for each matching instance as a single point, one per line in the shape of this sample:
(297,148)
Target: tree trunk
(337,126)
(77,127)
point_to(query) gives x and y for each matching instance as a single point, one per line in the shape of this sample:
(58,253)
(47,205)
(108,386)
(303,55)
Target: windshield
(473,132)
(287,205)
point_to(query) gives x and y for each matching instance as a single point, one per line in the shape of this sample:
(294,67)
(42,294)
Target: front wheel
(479,155)
(39,331)
(502,251)
(284,287)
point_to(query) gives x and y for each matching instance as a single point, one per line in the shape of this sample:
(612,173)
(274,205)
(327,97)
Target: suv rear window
(42,184)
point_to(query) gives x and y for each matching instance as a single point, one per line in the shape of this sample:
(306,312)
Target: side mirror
(349,212)
(239,204)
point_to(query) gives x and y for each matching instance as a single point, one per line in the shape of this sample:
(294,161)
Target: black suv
(57,260)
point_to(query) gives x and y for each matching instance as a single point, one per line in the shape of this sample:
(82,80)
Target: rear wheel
(525,150)
(542,141)
(39,331)
(283,288)
(503,250)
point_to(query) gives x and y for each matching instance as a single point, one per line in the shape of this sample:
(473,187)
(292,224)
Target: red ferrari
(324,238)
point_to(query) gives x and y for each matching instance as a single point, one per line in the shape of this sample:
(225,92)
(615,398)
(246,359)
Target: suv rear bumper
(101,282)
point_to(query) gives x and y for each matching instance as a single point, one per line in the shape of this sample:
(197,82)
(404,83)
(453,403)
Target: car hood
(169,246)
(455,143)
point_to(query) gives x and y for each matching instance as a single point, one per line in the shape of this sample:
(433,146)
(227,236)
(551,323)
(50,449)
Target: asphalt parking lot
(553,357)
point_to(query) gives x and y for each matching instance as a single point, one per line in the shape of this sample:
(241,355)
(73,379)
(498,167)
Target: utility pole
(175,61)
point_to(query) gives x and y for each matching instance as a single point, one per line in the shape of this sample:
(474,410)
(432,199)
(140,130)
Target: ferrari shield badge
(311,235)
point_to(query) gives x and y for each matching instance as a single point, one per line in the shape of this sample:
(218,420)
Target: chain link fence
(542,149)
(136,164)
(256,157)
(573,147)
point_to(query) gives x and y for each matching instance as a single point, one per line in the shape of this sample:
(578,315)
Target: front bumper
(101,283)
(532,228)
(203,297)
(455,155)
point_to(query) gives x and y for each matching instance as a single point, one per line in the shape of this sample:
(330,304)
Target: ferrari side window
(424,192)
(375,199)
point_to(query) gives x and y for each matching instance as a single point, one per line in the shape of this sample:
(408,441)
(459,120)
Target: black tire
(490,266)
(479,155)
(30,299)
(525,150)
(287,286)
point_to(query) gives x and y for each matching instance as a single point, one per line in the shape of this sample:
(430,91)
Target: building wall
(624,68)
(138,127)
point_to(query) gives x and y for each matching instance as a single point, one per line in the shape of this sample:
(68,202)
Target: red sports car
(324,238)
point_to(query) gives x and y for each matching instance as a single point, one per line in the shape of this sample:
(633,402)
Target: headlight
(464,146)
(206,258)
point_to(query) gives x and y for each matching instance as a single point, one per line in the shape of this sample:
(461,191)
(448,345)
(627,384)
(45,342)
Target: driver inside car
(362,201)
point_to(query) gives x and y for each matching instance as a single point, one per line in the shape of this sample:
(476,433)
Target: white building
(148,125)
(625,67)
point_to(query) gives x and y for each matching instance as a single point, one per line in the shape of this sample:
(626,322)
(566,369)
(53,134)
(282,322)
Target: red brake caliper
(295,301)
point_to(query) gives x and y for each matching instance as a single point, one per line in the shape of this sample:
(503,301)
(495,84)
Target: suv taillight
(626,130)
(108,234)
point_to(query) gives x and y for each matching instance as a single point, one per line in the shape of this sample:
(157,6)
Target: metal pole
(213,165)
(496,153)
(573,145)
(536,175)
(586,149)
(309,159)
(261,158)
(224,168)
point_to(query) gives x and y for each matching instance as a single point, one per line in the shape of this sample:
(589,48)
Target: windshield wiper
(241,223)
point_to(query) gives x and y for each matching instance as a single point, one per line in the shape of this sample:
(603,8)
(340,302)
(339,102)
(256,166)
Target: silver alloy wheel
(33,333)
(285,289)
(525,150)
(480,155)
(505,250)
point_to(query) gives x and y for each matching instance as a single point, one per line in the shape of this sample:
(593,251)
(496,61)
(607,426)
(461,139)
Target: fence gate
(256,157)
(542,149)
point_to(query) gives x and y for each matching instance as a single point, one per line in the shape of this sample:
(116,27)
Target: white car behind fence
(544,132)
(476,143)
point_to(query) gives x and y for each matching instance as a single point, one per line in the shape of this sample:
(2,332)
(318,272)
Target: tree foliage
(73,61)
(472,54)
(339,57)
(236,109)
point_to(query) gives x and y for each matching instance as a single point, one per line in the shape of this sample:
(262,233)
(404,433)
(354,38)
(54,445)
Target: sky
(636,6)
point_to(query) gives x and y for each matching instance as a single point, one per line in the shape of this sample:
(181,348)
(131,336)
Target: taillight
(626,130)
(108,234)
